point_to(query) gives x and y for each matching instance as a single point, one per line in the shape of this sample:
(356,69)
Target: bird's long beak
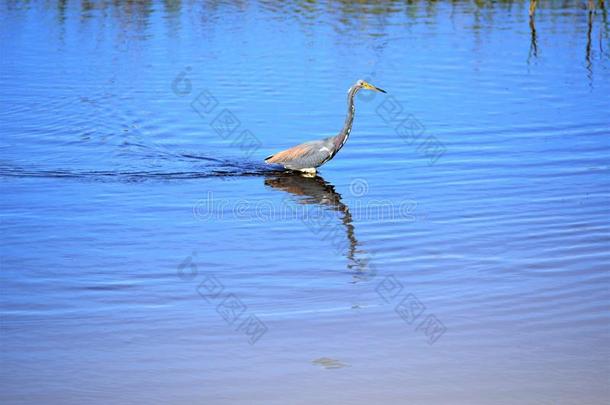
(369,86)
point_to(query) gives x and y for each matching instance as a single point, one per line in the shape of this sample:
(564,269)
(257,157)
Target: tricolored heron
(307,156)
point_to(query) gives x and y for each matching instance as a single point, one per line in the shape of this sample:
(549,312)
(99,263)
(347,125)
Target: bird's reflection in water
(319,192)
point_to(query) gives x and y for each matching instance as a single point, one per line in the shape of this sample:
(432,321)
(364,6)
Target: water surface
(456,250)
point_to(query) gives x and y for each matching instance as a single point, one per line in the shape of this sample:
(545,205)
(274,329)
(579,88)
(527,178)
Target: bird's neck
(347,127)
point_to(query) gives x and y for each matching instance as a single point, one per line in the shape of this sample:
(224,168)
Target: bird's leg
(309,171)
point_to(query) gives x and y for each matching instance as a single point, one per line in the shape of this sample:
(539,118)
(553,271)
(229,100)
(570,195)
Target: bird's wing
(296,152)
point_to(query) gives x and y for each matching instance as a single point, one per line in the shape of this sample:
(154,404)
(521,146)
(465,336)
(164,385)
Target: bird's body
(308,156)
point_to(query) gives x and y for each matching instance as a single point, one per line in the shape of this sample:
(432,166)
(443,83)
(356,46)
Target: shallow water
(456,250)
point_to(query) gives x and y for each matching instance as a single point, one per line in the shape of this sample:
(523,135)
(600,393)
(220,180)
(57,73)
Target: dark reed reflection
(344,17)
(589,29)
(317,191)
(533,41)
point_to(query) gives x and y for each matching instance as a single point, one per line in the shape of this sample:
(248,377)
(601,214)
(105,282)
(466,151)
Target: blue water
(456,250)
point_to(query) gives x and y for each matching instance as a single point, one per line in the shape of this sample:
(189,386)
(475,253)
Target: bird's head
(367,86)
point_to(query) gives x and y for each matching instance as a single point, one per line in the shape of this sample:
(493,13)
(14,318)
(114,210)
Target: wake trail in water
(213,167)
